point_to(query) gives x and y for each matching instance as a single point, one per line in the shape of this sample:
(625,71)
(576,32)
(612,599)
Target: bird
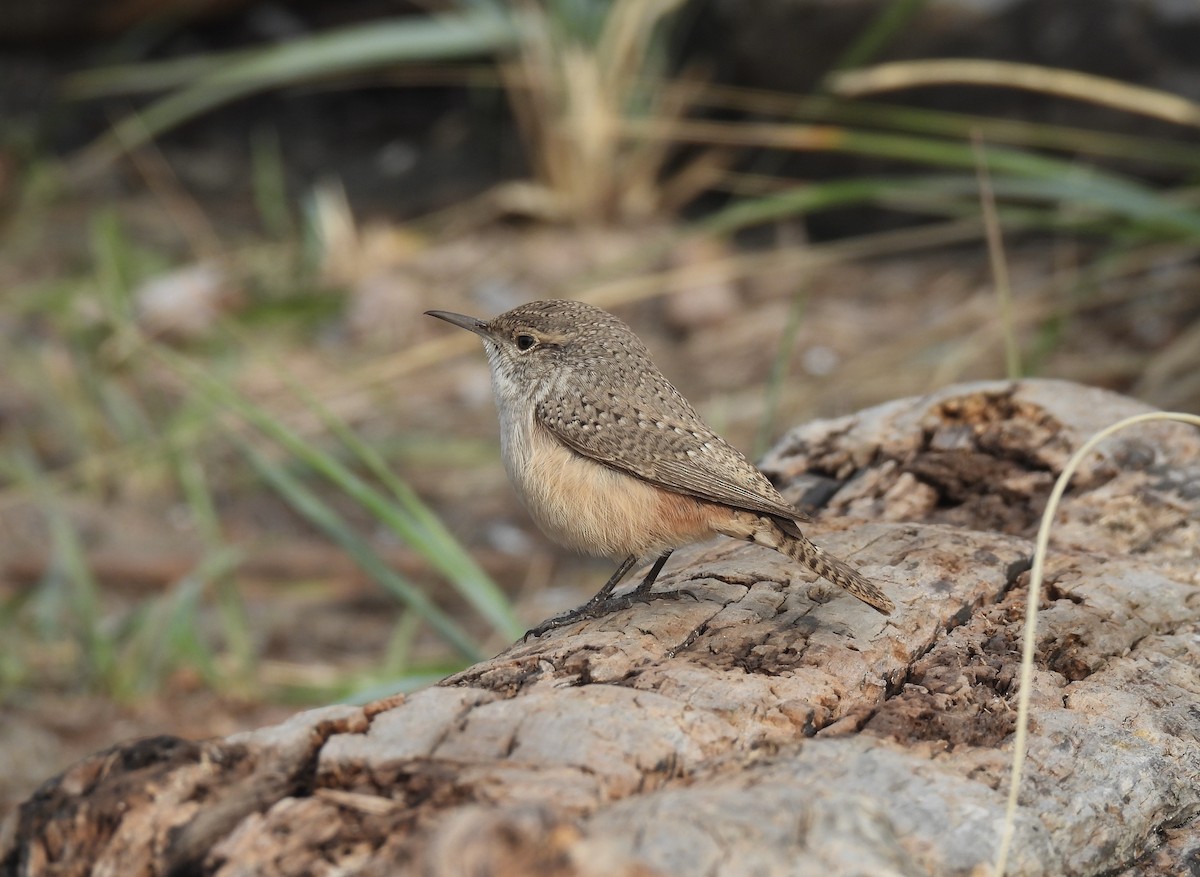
(610,459)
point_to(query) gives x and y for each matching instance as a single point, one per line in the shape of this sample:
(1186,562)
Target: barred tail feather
(784,536)
(838,572)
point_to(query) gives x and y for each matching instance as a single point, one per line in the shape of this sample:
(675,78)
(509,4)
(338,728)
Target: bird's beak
(479,327)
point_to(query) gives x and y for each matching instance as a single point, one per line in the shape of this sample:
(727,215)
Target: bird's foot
(606,606)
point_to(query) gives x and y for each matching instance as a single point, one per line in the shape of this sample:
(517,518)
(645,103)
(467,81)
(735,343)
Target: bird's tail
(802,549)
(784,536)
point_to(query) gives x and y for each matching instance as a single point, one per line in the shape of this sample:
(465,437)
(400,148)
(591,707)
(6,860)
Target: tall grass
(130,415)
(604,119)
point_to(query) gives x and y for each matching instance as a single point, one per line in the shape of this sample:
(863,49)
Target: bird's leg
(648,581)
(615,579)
(604,602)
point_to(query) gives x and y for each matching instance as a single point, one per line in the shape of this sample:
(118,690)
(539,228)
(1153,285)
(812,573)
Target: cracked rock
(773,725)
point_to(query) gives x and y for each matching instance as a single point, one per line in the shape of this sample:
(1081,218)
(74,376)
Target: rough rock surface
(773,725)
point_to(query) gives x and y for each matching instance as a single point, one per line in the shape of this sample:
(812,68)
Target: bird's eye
(524,342)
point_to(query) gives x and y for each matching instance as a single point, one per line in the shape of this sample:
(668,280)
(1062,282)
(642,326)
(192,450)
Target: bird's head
(536,347)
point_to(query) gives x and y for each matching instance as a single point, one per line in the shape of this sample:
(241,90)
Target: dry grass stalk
(573,101)
(1008,74)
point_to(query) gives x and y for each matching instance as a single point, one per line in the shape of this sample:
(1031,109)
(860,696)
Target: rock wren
(610,459)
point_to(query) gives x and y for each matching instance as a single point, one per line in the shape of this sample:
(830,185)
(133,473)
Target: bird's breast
(593,508)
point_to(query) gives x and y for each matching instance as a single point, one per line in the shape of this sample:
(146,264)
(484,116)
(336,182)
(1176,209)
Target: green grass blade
(235,623)
(408,517)
(398,656)
(883,28)
(443,554)
(1085,184)
(1143,151)
(1010,132)
(269,181)
(70,597)
(167,636)
(309,506)
(1069,181)
(747,212)
(146,77)
(439,543)
(333,53)
(1124,204)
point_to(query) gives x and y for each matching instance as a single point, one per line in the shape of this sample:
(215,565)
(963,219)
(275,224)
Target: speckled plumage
(611,459)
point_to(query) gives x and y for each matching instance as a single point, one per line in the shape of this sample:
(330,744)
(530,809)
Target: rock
(773,725)
(186,304)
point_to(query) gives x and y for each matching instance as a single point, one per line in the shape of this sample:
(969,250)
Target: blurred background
(241,474)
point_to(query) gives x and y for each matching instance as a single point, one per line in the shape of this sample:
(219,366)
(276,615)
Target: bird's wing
(677,452)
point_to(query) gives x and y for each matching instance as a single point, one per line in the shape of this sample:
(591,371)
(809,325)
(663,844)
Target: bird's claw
(600,608)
